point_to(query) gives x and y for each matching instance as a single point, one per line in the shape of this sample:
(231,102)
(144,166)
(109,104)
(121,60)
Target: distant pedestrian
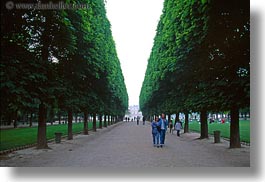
(138,119)
(178,127)
(162,123)
(144,120)
(155,132)
(171,127)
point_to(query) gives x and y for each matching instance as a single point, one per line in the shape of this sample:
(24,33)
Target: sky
(133,25)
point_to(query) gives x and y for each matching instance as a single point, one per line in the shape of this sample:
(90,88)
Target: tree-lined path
(129,145)
(62,64)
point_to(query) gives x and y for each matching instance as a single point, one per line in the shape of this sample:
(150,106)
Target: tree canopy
(199,60)
(64,59)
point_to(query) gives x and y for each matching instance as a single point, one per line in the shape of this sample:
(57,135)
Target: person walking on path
(162,123)
(138,119)
(178,127)
(155,132)
(171,127)
(144,120)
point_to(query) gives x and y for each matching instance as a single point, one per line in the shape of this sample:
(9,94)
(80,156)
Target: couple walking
(159,128)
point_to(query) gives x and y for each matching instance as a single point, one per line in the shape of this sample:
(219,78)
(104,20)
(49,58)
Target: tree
(60,61)
(199,61)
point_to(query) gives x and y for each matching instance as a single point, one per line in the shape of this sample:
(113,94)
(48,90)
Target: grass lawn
(244,126)
(13,138)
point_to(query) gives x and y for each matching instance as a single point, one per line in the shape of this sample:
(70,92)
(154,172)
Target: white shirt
(162,124)
(178,126)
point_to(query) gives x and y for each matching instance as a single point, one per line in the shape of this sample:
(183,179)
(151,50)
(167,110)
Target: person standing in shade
(178,127)
(162,123)
(155,132)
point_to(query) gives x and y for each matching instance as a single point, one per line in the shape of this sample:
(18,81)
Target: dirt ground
(129,145)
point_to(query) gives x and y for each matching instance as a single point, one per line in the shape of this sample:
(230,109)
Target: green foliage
(181,28)
(200,58)
(65,59)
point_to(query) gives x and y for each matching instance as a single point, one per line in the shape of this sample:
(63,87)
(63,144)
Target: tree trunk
(204,125)
(30,119)
(100,121)
(186,126)
(85,123)
(76,115)
(94,122)
(41,140)
(15,119)
(169,119)
(70,125)
(108,120)
(105,120)
(176,119)
(234,129)
(59,117)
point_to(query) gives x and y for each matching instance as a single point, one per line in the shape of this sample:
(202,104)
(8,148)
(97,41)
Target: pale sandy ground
(129,145)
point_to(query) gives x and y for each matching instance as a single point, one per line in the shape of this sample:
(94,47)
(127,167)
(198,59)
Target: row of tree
(200,62)
(60,61)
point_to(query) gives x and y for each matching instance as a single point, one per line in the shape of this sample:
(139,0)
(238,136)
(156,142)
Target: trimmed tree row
(60,61)
(200,62)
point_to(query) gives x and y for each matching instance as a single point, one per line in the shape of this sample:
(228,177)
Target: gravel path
(128,145)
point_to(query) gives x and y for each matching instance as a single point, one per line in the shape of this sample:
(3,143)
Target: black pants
(178,132)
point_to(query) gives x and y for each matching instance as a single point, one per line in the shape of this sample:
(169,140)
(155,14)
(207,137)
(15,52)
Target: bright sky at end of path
(133,25)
